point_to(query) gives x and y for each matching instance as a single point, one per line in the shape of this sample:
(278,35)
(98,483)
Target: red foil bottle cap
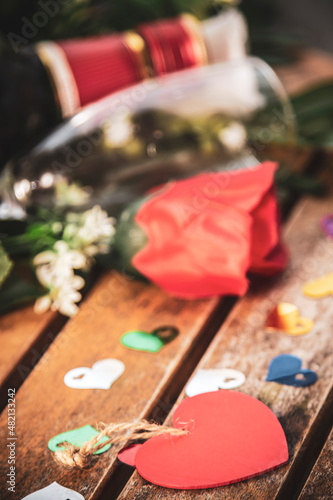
(174,44)
(105,64)
(85,70)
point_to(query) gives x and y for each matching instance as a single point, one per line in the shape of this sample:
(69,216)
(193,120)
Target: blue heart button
(284,369)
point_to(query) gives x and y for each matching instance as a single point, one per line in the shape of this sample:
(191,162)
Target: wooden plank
(320,482)
(243,343)
(312,68)
(46,407)
(24,337)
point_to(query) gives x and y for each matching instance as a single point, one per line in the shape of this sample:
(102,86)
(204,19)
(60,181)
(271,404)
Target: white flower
(62,297)
(59,262)
(55,271)
(71,194)
(89,234)
(96,230)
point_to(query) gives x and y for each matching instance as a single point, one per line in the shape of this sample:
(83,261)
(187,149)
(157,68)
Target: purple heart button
(327,225)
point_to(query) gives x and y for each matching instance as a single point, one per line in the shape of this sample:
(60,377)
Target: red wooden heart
(127,455)
(232,437)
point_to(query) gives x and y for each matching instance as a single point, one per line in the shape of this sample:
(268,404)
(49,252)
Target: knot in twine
(119,435)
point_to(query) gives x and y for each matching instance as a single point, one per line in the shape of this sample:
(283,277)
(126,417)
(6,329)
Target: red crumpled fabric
(207,232)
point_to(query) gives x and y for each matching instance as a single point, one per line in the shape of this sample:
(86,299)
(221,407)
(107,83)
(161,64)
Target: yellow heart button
(285,317)
(322,287)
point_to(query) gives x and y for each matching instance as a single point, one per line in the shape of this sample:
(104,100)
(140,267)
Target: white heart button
(54,491)
(213,380)
(100,376)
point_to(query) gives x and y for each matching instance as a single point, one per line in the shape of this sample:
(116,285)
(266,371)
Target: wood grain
(243,343)
(24,337)
(46,407)
(320,482)
(311,68)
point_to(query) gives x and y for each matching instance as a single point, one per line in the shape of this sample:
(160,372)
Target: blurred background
(294,37)
(310,20)
(276,26)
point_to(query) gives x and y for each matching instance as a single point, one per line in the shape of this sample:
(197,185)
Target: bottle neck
(27,104)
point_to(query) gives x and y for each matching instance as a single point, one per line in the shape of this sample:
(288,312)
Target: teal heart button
(149,342)
(77,437)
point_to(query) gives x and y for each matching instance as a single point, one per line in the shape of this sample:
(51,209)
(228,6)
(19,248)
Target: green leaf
(20,288)
(6,265)
(314,114)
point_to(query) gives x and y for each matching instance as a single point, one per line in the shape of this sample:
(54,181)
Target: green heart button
(77,437)
(142,341)
(149,342)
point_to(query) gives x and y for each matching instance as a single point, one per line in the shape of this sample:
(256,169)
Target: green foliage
(6,265)
(291,185)
(314,113)
(39,232)
(21,287)
(267,41)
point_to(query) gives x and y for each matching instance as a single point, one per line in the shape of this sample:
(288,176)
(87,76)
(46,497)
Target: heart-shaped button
(100,376)
(54,491)
(149,342)
(232,437)
(327,225)
(322,287)
(213,380)
(286,368)
(77,437)
(285,317)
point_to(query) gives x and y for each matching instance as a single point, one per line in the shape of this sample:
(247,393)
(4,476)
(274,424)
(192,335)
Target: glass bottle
(223,116)
(45,83)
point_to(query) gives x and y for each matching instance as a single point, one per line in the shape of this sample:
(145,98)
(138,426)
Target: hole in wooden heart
(229,379)
(64,444)
(79,376)
(166,333)
(300,376)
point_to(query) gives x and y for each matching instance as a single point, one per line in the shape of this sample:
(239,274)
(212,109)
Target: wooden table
(37,351)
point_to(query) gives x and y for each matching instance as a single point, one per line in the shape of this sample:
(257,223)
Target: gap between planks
(321,477)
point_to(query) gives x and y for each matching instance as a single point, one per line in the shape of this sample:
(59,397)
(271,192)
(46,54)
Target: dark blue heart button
(285,368)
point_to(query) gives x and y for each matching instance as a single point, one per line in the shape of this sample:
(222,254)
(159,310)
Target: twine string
(119,435)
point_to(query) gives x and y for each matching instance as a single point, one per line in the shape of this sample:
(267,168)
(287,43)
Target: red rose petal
(204,233)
